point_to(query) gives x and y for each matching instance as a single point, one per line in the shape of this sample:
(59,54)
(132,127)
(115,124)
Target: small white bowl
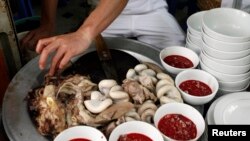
(185,110)
(194,23)
(200,75)
(234,85)
(136,127)
(225,46)
(227,24)
(223,54)
(178,50)
(84,132)
(222,76)
(233,62)
(222,68)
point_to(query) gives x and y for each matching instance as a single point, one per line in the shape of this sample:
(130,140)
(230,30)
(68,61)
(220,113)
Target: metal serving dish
(15,116)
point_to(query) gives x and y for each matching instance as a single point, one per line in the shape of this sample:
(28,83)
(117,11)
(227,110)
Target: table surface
(14,124)
(14,110)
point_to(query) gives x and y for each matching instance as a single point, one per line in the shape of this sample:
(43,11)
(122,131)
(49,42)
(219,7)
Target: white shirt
(135,7)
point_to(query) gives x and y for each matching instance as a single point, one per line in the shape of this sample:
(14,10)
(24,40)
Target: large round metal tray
(16,120)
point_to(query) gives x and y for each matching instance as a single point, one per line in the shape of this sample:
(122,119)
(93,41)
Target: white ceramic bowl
(227,24)
(193,46)
(222,92)
(83,132)
(233,62)
(223,54)
(185,110)
(194,39)
(200,75)
(225,46)
(194,23)
(136,127)
(222,76)
(234,85)
(222,68)
(178,50)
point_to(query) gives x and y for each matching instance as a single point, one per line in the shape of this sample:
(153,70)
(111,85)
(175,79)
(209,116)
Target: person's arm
(47,24)
(102,16)
(48,15)
(72,44)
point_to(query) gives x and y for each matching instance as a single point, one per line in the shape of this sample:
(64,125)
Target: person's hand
(66,46)
(31,39)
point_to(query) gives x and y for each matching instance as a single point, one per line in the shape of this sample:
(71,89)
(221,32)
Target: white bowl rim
(232,82)
(220,34)
(77,128)
(222,54)
(227,60)
(228,52)
(204,35)
(145,124)
(199,71)
(224,73)
(191,17)
(188,41)
(223,65)
(174,104)
(236,90)
(195,64)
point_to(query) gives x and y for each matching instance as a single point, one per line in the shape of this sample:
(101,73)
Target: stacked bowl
(194,32)
(225,51)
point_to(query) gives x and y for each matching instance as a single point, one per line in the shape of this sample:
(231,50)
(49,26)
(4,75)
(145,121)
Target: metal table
(16,120)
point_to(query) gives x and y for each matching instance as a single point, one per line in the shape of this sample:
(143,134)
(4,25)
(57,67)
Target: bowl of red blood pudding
(81,133)
(177,58)
(179,122)
(135,131)
(197,87)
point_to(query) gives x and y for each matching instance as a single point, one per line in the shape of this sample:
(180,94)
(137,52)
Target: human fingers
(42,43)
(65,60)
(45,53)
(56,61)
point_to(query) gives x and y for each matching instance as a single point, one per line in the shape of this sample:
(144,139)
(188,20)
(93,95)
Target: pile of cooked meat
(62,102)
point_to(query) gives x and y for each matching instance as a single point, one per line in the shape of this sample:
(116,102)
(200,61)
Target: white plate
(233,109)
(210,112)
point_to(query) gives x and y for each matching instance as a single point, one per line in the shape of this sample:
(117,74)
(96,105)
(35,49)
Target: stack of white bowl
(225,49)
(194,32)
